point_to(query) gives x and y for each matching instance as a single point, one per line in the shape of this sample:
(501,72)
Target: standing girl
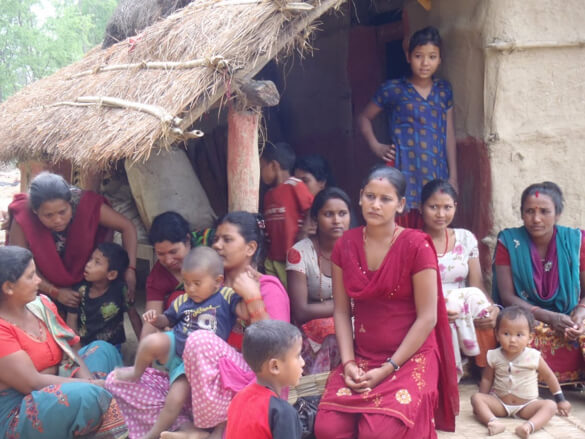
(420,117)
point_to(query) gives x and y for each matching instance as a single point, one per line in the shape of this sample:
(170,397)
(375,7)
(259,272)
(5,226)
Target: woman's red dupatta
(386,278)
(83,235)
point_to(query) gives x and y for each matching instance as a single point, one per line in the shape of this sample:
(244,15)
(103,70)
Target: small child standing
(285,205)
(512,377)
(272,349)
(205,305)
(103,297)
(420,118)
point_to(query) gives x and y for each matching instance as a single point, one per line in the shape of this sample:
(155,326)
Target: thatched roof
(132,16)
(166,78)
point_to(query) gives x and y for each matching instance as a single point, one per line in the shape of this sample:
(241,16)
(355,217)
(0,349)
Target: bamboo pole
(201,105)
(106,101)
(527,45)
(216,62)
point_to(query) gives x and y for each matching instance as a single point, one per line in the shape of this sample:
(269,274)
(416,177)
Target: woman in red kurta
(398,376)
(62,225)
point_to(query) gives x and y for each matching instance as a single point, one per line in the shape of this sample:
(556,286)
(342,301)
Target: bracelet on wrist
(348,362)
(559,397)
(53,292)
(130,267)
(393,363)
(253,299)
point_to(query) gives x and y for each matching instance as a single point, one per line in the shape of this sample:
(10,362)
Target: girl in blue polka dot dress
(420,117)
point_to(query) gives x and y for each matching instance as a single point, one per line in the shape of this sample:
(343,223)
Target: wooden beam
(245,75)
(260,94)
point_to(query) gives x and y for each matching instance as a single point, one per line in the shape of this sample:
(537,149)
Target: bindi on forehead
(536,194)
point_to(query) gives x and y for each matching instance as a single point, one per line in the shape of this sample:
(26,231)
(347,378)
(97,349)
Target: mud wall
(517,73)
(535,60)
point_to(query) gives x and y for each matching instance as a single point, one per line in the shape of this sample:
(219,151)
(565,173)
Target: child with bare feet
(272,349)
(509,385)
(205,305)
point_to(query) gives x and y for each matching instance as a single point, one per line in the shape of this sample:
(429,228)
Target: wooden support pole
(243,161)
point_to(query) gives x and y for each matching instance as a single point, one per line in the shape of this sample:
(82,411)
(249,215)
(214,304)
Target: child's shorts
(174,363)
(511,409)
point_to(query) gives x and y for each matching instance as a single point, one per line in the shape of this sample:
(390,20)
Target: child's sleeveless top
(518,377)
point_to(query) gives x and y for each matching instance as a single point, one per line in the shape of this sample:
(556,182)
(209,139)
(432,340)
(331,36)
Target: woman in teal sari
(41,395)
(541,267)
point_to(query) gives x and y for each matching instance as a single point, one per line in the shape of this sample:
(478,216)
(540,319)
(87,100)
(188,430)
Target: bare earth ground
(467,427)
(572,427)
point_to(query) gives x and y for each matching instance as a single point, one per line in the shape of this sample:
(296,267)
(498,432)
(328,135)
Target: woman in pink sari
(397,377)
(215,369)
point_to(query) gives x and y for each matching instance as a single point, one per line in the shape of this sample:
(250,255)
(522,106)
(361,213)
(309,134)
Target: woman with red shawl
(62,225)
(398,376)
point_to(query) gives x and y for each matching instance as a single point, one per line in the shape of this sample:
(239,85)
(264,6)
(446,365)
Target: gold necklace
(394,235)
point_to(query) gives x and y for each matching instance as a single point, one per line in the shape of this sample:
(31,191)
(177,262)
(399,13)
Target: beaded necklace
(440,255)
(319,256)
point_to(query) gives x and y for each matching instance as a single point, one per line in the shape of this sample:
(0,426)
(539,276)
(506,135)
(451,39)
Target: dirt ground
(572,427)
(467,427)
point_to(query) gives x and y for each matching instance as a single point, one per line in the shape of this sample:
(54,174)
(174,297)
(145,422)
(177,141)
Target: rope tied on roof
(215,62)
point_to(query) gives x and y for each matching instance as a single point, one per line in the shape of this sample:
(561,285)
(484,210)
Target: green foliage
(37,37)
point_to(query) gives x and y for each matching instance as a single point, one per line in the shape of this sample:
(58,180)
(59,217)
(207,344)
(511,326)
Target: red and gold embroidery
(344,391)
(418,372)
(403,397)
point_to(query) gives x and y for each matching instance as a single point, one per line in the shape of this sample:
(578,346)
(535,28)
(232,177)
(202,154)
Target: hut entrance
(322,94)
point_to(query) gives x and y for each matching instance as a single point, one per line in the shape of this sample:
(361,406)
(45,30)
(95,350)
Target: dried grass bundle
(132,16)
(46,120)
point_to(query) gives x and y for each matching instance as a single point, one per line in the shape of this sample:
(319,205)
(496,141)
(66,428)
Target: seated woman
(215,370)
(62,225)
(169,235)
(398,377)
(308,269)
(37,398)
(541,267)
(472,316)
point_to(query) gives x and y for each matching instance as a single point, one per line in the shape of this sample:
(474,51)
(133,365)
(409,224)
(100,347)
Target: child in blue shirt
(205,305)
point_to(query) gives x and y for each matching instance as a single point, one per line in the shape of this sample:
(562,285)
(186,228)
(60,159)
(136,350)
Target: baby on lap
(205,305)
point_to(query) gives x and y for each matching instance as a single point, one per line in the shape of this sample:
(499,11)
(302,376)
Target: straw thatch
(132,16)
(146,93)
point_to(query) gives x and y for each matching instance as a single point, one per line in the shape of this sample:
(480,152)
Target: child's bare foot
(191,434)
(495,427)
(126,374)
(524,430)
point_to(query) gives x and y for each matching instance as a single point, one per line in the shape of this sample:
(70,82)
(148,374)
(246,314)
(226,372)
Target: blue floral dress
(418,128)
